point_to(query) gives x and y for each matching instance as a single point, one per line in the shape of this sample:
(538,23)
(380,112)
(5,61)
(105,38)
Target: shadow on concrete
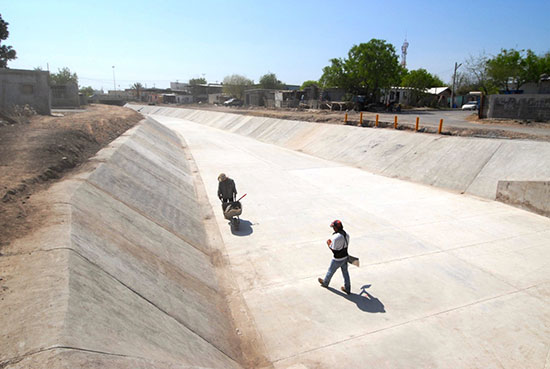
(364,300)
(245,228)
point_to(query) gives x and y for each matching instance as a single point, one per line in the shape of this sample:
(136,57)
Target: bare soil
(37,151)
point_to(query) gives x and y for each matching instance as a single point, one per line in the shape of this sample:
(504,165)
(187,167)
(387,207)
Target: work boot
(322,282)
(344,290)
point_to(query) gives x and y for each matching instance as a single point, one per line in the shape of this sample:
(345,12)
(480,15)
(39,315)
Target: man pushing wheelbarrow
(227,193)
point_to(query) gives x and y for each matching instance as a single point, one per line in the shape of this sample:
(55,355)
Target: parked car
(470,105)
(233,102)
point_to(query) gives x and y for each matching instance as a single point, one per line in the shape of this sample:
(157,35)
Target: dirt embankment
(37,151)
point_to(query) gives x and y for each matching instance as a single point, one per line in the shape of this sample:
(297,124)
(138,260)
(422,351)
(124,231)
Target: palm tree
(138,87)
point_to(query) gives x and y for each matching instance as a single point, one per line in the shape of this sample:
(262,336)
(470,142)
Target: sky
(163,41)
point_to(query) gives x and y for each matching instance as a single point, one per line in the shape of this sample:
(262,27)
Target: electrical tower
(404,54)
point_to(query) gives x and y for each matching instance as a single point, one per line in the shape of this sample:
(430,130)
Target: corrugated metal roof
(436,90)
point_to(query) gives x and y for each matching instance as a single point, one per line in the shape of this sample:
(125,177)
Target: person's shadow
(364,300)
(245,228)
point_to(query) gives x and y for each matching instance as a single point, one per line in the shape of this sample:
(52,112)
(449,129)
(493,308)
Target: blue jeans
(334,265)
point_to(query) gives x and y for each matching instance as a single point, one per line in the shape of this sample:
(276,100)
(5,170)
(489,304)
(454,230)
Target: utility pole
(454,80)
(114,82)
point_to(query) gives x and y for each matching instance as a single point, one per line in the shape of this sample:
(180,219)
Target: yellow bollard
(440,126)
(395,122)
(376,124)
(361,119)
(417,121)
(346,118)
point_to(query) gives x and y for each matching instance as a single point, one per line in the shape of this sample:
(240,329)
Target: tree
(420,80)
(197,81)
(269,81)
(6,52)
(309,83)
(505,69)
(137,87)
(535,66)
(368,68)
(63,76)
(87,91)
(235,85)
(513,68)
(475,76)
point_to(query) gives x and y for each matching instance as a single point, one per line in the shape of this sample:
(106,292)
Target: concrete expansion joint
(403,323)
(481,167)
(37,251)
(439,251)
(15,360)
(151,303)
(149,218)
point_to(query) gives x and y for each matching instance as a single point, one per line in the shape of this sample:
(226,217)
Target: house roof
(437,90)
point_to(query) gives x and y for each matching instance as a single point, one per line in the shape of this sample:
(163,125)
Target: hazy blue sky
(155,42)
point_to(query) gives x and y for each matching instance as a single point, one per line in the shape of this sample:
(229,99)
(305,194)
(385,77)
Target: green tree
(505,69)
(137,87)
(235,85)
(197,81)
(270,81)
(309,83)
(6,52)
(87,91)
(510,69)
(535,66)
(420,80)
(63,76)
(368,68)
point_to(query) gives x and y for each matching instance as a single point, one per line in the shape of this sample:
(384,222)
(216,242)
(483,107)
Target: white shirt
(337,242)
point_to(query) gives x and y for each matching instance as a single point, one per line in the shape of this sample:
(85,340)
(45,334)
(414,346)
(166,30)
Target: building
(399,95)
(273,98)
(25,87)
(65,95)
(437,96)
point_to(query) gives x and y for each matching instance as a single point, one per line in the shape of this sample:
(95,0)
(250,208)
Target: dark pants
(225,203)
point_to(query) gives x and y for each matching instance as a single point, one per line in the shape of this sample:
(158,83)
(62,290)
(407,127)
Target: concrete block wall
(121,275)
(469,165)
(65,96)
(21,87)
(524,106)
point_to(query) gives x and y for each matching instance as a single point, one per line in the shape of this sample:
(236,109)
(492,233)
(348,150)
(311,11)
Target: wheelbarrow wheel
(235,223)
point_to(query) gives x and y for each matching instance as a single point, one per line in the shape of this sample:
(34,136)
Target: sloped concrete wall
(121,276)
(530,195)
(470,165)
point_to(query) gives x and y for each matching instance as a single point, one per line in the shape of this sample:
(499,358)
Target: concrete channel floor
(446,280)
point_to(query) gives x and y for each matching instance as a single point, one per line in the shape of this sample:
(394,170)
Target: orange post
(376,124)
(361,119)
(346,118)
(395,122)
(416,126)
(440,126)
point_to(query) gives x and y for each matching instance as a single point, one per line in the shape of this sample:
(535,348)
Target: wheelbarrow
(231,212)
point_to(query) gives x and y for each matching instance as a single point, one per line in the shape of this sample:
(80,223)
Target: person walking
(338,244)
(227,192)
